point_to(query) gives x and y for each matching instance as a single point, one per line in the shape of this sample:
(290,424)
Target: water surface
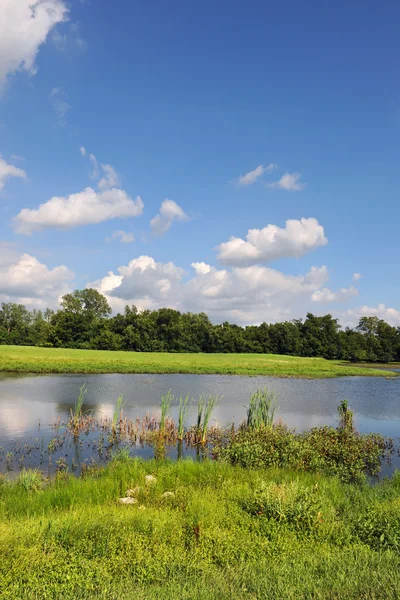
(30,403)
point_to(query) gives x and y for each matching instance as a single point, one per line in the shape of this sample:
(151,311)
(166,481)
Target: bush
(343,453)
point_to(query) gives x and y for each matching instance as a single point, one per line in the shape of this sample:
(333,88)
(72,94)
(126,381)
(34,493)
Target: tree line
(84,321)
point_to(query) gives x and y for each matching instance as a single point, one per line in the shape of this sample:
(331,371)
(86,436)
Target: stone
(150,479)
(127,501)
(168,495)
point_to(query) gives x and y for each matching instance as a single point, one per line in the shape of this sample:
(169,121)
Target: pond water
(29,404)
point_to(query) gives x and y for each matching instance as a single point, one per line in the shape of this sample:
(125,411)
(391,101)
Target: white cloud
(7,171)
(201,268)
(242,295)
(149,283)
(95,167)
(125,237)
(25,280)
(357,276)
(24,27)
(289,182)
(84,208)
(326,295)
(390,315)
(272,242)
(170,211)
(110,178)
(253,176)
(60,105)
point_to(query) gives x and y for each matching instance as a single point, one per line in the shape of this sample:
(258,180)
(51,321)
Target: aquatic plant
(345,417)
(183,412)
(205,407)
(262,408)
(117,415)
(165,406)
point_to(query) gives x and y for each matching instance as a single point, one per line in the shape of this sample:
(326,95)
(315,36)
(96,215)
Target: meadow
(199,531)
(30,359)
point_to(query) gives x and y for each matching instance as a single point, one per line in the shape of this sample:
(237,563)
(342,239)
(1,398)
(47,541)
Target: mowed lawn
(59,360)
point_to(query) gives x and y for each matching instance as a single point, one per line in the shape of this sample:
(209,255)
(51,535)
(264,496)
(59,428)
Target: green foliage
(205,407)
(84,322)
(30,480)
(341,452)
(261,410)
(226,533)
(118,411)
(165,406)
(182,415)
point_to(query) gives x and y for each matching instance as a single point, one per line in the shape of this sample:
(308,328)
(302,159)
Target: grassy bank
(59,360)
(222,532)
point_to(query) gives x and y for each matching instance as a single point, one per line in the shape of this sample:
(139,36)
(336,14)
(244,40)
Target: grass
(24,359)
(224,533)
(262,408)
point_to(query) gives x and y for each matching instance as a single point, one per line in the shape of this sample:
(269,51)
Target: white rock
(150,479)
(168,494)
(127,501)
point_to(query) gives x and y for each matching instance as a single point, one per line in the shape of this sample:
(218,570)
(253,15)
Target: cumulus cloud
(289,182)
(243,295)
(24,27)
(357,276)
(7,171)
(326,295)
(169,212)
(25,280)
(84,208)
(253,176)
(125,237)
(390,315)
(272,242)
(60,105)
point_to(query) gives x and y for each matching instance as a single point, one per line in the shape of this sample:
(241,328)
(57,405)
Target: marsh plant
(76,414)
(205,407)
(182,415)
(262,408)
(345,417)
(165,406)
(117,416)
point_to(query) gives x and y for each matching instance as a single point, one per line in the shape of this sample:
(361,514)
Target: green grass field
(58,360)
(225,533)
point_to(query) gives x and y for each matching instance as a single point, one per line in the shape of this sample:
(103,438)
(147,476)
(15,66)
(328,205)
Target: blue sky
(181,100)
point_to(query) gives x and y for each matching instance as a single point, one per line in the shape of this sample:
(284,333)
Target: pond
(30,405)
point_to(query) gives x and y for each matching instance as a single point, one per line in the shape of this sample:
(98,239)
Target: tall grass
(165,406)
(262,408)
(117,412)
(183,412)
(205,406)
(76,414)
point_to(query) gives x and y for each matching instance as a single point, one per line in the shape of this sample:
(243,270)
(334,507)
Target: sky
(237,158)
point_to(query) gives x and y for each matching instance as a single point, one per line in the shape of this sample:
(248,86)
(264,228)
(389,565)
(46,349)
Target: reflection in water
(27,401)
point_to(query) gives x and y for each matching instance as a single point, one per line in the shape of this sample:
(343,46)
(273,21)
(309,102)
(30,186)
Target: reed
(262,408)
(165,406)
(117,416)
(183,412)
(207,405)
